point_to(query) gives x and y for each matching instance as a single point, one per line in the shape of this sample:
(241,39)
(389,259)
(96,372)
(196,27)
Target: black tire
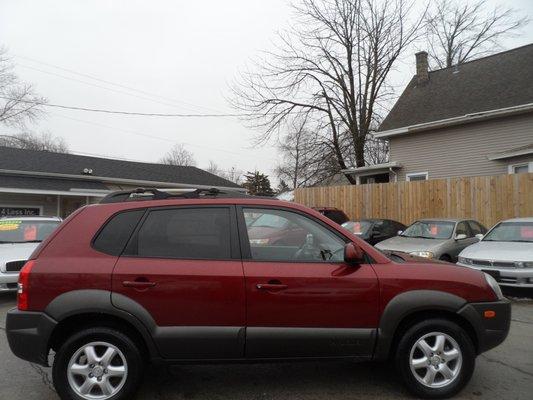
(130,351)
(403,358)
(446,258)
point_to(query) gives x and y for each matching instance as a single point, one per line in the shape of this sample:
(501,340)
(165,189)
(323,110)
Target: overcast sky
(180,56)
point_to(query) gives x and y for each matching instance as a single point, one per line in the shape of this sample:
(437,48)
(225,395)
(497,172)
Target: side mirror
(375,232)
(353,254)
(460,236)
(479,236)
(400,232)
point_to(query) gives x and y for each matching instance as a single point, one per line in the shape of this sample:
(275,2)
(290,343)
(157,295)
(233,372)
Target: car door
(182,268)
(304,300)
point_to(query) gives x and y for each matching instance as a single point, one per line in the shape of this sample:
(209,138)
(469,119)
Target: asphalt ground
(505,372)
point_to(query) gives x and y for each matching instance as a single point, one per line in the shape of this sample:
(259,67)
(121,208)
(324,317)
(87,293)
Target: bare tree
(305,157)
(19,104)
(462,30)
(32,141)
(331,68)
(179,155)
(233,175)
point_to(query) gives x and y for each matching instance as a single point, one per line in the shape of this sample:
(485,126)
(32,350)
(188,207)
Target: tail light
(24,285)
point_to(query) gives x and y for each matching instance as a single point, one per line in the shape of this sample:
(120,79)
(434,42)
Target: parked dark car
(176,279)
(374,230)
(333,214)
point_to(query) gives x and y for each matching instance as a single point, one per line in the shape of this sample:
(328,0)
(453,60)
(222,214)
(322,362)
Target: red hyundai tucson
(154,277)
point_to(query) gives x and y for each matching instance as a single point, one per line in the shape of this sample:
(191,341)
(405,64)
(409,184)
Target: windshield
(269,221)
(357,227)
(430,230)
(511,232)
(19,231)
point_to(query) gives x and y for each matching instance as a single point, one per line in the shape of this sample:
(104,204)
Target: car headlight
(425,254)
(494,286)
(464,260)
(528,264)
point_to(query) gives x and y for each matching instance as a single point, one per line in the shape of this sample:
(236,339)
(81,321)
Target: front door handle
(138,284)
(271,286)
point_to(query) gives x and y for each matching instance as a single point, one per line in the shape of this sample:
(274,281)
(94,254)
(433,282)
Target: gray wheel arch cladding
(408,303)
(87,301)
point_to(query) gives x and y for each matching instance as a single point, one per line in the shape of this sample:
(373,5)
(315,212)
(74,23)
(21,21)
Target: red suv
(149,276)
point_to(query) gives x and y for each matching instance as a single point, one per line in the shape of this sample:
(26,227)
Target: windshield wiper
(508,241)
(417,237)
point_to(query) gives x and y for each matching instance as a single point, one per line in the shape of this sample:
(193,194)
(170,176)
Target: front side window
(429,230)
(511,232)
(462,229)
(189,233)
(292,237)
(24,231)
(476,228)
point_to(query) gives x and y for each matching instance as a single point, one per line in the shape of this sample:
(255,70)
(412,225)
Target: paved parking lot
(503,373)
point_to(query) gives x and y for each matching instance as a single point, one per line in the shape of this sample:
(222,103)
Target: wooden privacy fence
(488,199)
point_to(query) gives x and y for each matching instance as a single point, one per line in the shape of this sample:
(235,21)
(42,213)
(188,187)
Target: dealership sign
(19,211)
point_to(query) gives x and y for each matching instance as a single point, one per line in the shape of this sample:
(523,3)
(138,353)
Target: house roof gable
(495,82)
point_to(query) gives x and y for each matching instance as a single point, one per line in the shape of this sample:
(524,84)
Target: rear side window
(115,235)
(191,233)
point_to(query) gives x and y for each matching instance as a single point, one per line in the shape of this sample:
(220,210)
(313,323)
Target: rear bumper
(490,331)
(28,334)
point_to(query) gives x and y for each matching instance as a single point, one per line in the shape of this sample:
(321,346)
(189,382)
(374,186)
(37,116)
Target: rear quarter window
(116,232)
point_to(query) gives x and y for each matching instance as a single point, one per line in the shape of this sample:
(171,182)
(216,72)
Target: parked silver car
(505,252)
(19,236)
(441,239)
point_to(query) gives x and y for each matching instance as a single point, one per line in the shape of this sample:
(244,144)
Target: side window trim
(243,232)
(131,249)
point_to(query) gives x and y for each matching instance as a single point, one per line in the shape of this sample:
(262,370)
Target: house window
(417,176)
(521,168)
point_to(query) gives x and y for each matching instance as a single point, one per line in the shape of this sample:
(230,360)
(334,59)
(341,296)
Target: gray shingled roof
(30,182)
(71,164)
(498,81)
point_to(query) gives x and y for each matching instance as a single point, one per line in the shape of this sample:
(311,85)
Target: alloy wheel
(97,371)
(435,360)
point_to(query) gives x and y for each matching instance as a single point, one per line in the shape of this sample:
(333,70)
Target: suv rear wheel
(97,364)
(435,358)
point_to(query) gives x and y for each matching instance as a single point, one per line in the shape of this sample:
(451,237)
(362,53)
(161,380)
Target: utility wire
(102,87)
(152,136)
(107,82)
(104,111)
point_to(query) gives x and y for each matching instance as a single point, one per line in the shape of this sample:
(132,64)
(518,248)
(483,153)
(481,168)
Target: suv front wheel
(435,358)
(97,363)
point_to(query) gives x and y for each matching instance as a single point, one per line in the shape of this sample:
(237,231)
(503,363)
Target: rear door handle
(271,286)
(138,284)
